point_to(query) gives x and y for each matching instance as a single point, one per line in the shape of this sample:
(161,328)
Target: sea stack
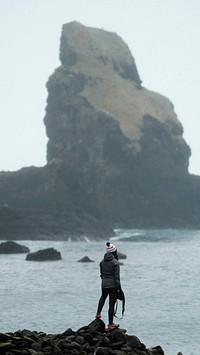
(116,155)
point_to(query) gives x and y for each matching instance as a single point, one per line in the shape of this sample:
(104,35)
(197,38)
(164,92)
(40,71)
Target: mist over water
(160,278)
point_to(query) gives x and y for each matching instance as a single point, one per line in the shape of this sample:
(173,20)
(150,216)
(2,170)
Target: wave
(128,235)
(153,236)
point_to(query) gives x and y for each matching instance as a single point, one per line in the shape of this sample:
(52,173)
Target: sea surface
(160,278)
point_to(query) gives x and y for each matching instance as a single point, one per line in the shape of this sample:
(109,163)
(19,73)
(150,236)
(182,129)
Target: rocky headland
(116,156)
(88,340)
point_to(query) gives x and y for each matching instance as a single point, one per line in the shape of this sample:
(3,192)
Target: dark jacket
(110,271)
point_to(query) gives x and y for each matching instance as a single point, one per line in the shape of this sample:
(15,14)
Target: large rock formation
(115,156)
(100,117)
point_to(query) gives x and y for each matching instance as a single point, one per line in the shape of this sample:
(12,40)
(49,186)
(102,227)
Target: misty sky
(163,36)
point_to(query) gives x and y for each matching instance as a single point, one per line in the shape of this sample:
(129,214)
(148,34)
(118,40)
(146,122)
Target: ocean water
(160,278)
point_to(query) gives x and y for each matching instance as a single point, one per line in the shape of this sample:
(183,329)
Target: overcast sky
(164,39)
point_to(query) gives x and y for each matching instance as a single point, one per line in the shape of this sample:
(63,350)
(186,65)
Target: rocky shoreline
(88,340)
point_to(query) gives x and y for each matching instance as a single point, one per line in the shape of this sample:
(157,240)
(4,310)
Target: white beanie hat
(110,248)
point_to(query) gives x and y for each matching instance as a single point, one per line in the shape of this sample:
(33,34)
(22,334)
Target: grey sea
(160,278)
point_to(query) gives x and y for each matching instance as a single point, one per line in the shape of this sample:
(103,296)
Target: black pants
(112,292)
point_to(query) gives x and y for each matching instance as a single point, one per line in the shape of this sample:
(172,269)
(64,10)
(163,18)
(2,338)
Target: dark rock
(85,259)
(87,340)
(134,342)
(100,350)
(121,255)
(98,325)
(4,337)
(157,350)
(116,156)
(37,346)
(56,351)
(11,247)
(18,222)
(118,337)
(44,255)
(25,352)
(5,346)
(68,332)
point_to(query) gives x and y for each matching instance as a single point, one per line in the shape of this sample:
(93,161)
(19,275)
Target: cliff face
(118,138)
(116,154)
(98,111)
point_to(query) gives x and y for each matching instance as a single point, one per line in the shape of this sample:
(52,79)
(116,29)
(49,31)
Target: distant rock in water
(44,255)
(85,259)
(116,155)
(11,247)
(121,255)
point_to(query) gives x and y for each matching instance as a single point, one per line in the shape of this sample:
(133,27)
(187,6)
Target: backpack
(120,297)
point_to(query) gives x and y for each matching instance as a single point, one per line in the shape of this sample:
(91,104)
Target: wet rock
(37,346)
(11,247)
(134,342)
(98,325)
(88,340)
(121,255)
(157,350)
(118,337)
(85,259)
(44,255)
(5,346)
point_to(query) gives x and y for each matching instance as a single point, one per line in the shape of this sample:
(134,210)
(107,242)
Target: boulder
(49,254)
(85,259)
(91,339)
(11,247)
(121,255)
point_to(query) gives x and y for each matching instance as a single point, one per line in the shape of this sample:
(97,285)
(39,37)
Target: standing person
(110,276)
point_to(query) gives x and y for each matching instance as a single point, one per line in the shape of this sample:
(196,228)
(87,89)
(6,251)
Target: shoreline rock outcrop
(88,340)
(116,156)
